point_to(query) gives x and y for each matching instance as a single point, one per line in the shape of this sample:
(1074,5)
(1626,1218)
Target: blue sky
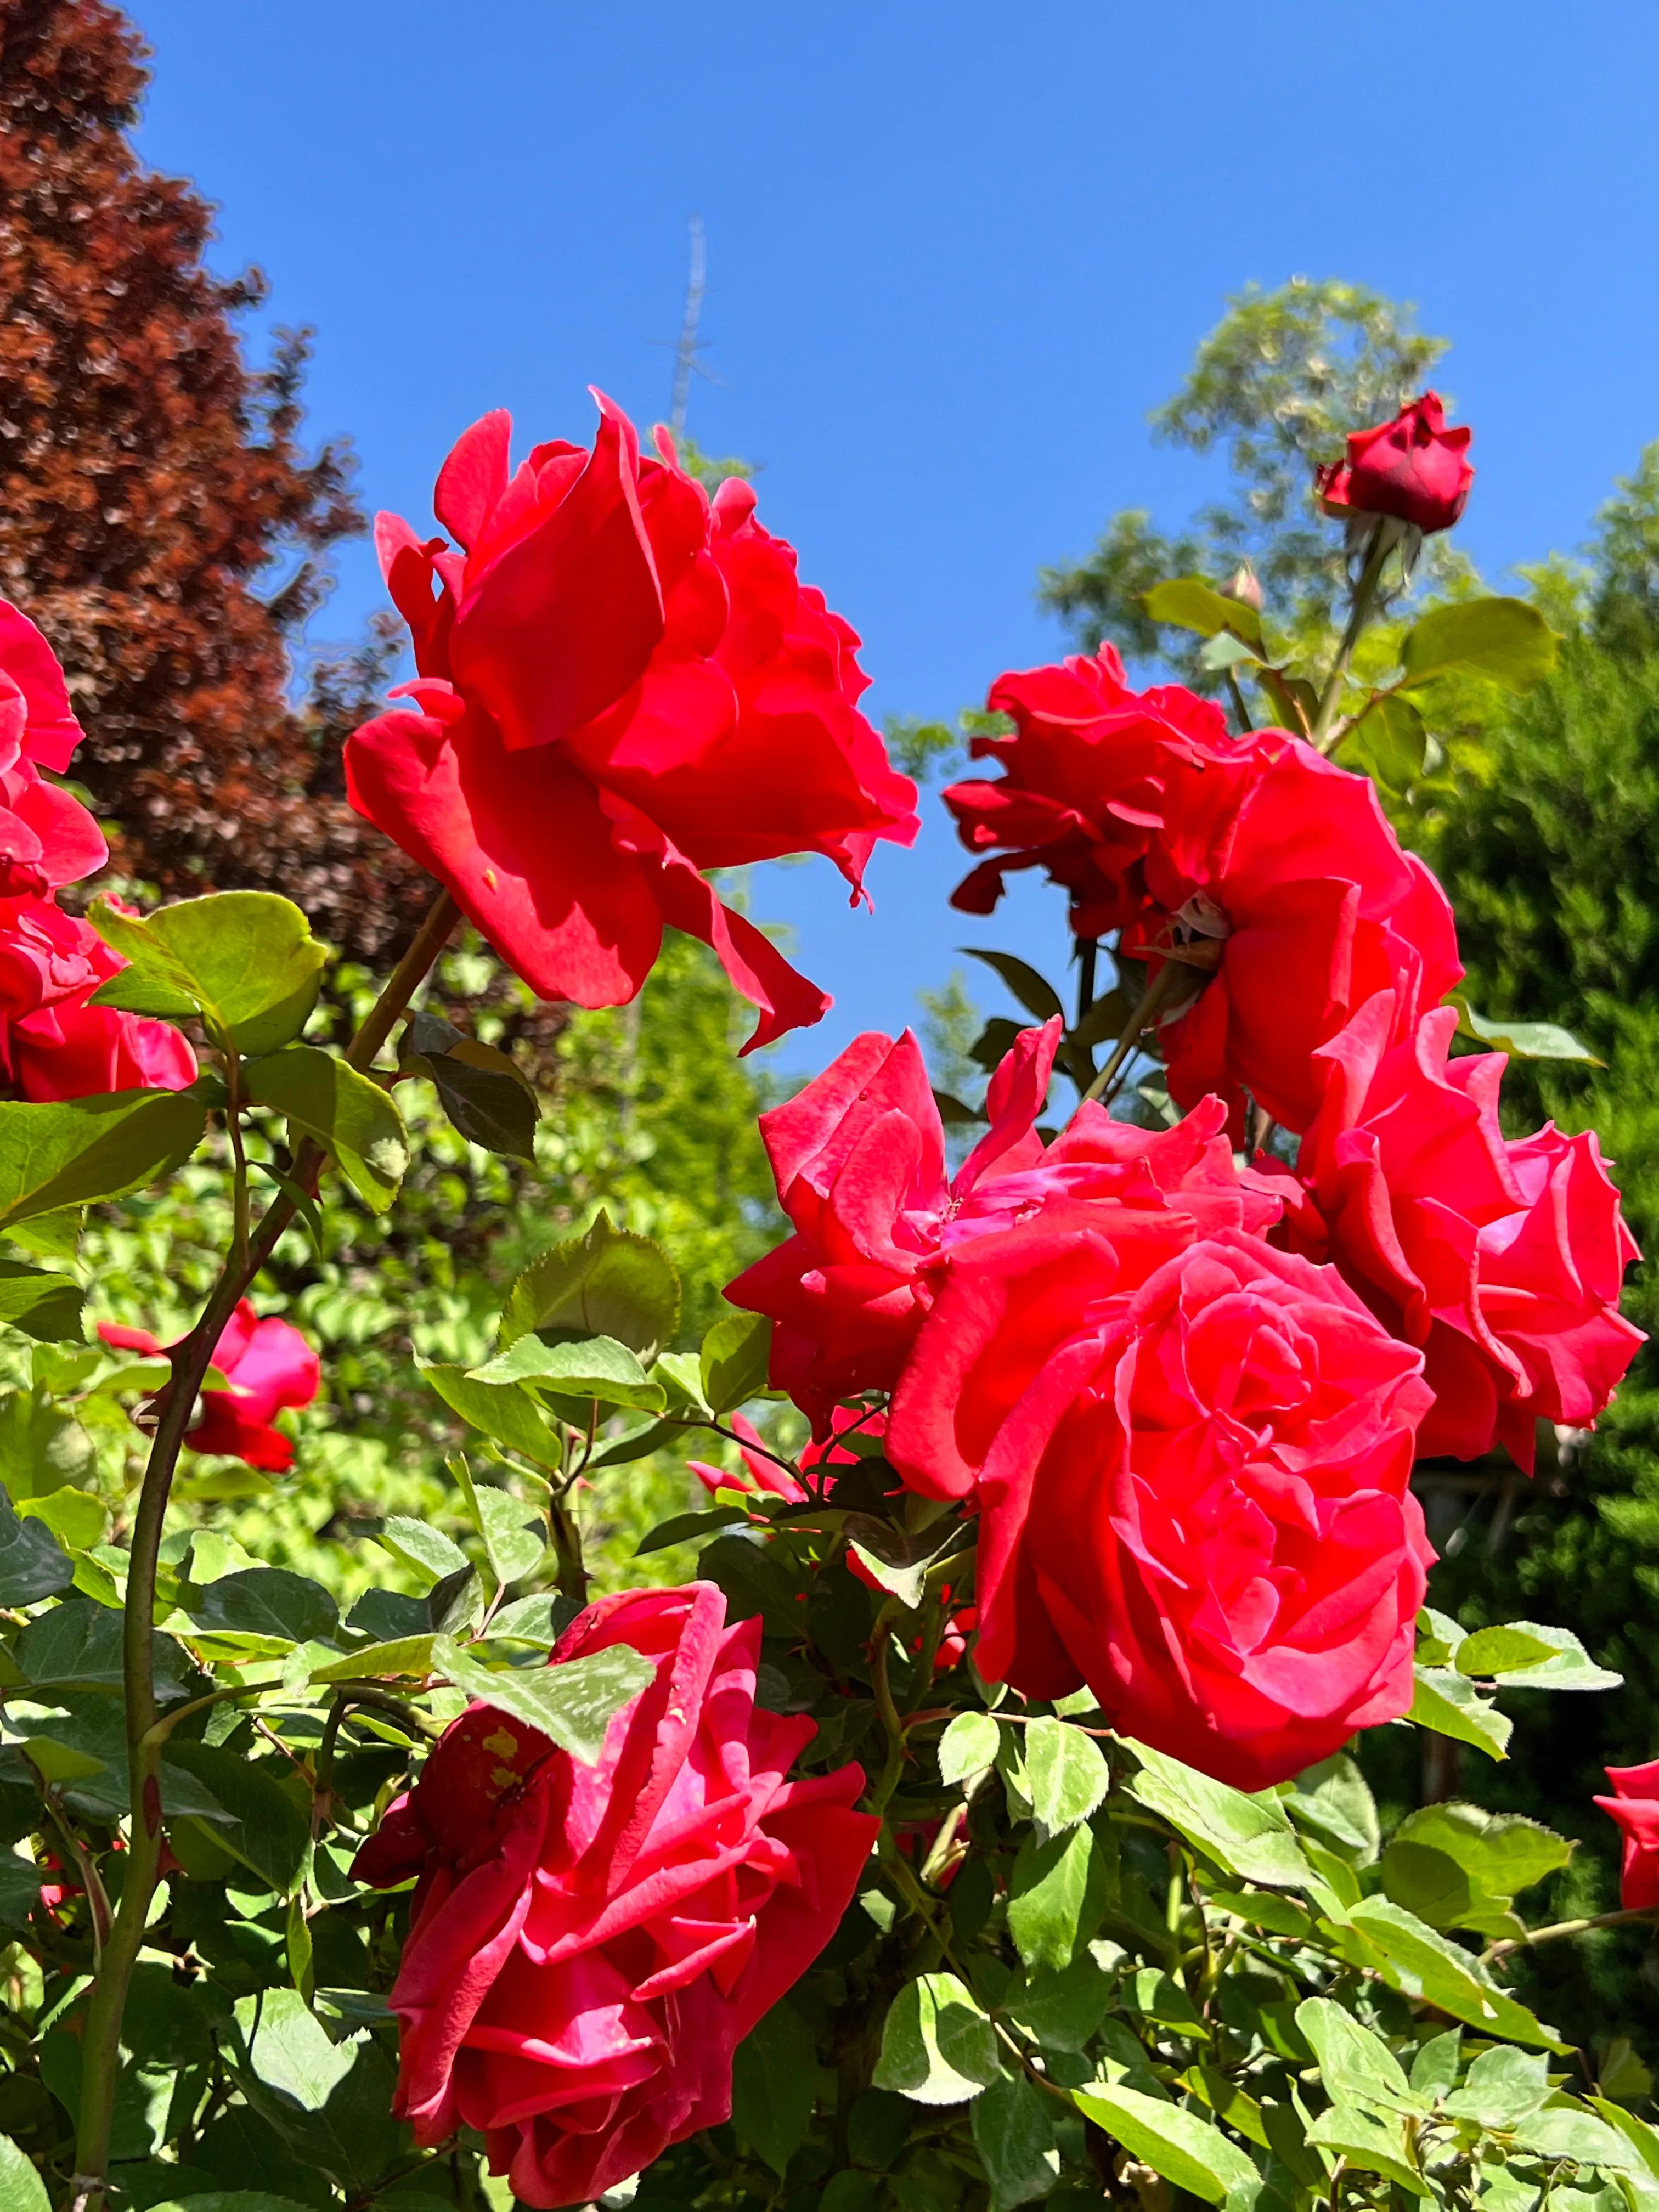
(955,255)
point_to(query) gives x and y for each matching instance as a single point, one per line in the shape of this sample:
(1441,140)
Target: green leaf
(280,1608)
(19,1892)
(1035,993)
(684,1528)
(507,1414)
(266,1829)
(574,1704)
(483,1091)
(1448,1703)
(1502,2087)
(938,2047)
(352,1117)
(1061,2011)
(1520,1040)
(1386,740)
(609,1282)
(1355,2064)
(1422,1964)
(541,1619)
(79,1151)
(774,2083)
(330,2102)
(1562,2132)
(968,1747)
(1568,1666)
(737,1355)
(1066,1773)
(1373,2145)
(42,1304)
(424,1548)
(1224,651)
(1434,2068)
(1333,1801)
(1500,1651)
(22,2189)
(75,1517)
(230,2200)
(1013,2132)
(32,1564)
(1189,603)
(1447,1848)
(1056,1895)
(596,1368)
(1506,639)
(78,1646)
(1187,2151)
(1249,1836)
(247,960)
(399,1654)
(513,1533)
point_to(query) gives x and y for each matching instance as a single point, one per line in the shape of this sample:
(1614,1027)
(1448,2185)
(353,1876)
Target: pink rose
(588,1945)
(53,1044)
(1192,1458)
(46,836)
(621,684)
(267,1363)
(1502,1257)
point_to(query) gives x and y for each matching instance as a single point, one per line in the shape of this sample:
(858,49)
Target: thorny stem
(1383,539)
(190,1362)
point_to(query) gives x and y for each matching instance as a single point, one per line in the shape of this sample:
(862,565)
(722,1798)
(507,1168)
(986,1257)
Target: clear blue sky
(956,253)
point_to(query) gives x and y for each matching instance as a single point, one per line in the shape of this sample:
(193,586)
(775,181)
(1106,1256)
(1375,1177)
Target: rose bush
(589,1944)
(622,684)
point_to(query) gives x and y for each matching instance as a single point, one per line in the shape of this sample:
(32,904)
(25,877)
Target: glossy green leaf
(33,1565)
(590,1368)
(1035,993)
(1520,1040)
(247,960)
(515,1534)
(78,1646)
(22,2189)
(1448,1703)
(1249,1836)
(574,1704)
(1434,2067)
(737,1354)
(1066,1773)
(1061,2011)
(1388,740)
(1056,1895)
(1452,1864)
(938,2047)
(1187,2151)
(1190,603)
(1561,2131)
(608,1283)
(1506,639)
(1373,2144)
(968,1747)
(423,1547)
(1356,2066)
(78,1151)
(506,1414)
(269,1603)
(267,1830)
(352,1116)
(482,1090)
(401,1654)
(1503,2084)
(774,2080)
(686,1528)
(42,1304)
(1333,1801)
(1013,2131)
(1422,1963)
(1568,1666)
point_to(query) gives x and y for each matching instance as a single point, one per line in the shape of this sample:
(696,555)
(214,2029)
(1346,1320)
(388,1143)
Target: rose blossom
(1191,1456)
(588,1945)
(1634,1805)
(858,1158)
(46,836)
(1502,1257)
(1281,869)
(53,1044)
(268,1366)
(621,683)
(1413,468)
(1083,782)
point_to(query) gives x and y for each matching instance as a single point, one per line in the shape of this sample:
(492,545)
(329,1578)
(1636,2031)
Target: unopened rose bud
(1245,586)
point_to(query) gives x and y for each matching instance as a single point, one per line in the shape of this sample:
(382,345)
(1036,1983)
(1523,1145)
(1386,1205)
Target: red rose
(46,837)
(1635,1806)
(588,1945)
(268,1366)
(1083,785)
(52,1044)
(622,684)
(1412,468)
(1192,1458)
(764,1473)
(1502,1257)
(859,1156)
(1284,866)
